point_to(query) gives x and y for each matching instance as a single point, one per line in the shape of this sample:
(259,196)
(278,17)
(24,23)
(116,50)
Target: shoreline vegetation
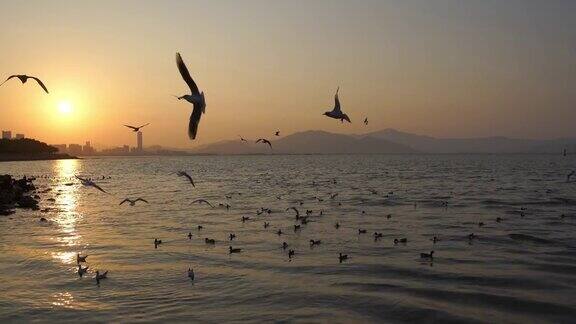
(27,149)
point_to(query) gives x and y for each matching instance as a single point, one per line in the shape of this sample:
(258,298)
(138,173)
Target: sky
(445,68)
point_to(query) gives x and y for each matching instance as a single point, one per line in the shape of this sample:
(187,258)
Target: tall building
(87,149)
(61,147)
(75,149)
(19,136)
(139,147)
(6,134)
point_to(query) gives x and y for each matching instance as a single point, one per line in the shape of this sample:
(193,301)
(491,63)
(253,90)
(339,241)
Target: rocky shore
(17,193)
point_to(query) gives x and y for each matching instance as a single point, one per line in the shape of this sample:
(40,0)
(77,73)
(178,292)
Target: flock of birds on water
(197,99)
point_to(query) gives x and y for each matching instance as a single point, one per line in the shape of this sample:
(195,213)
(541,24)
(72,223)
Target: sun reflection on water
(66,201)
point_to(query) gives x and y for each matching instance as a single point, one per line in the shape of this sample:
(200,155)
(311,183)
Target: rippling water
(522,269)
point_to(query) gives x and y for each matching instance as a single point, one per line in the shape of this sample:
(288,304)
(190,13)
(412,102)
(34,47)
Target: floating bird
(157,242)
(499,219)
(23,78)
(100,276)
(196,98)
(232,250)
(361,231)
(242,139)
(366,121)
(435,239)
(402,240)
(189,235)
(210,241)
(337,225)
(264,141)
(291,253)
(82,271)
(277,133)
(427,255)
(245,218)
(284,245)
(342,257)
(133,202)
(266,224)
(232,236)
(80,258)
(480,224)
(89,183)
(202,201)
(185,174)
(135,129)
(315,242)
(296,228)
(336,113)
(200,227)
(279,232)
(190,273)
(378,235)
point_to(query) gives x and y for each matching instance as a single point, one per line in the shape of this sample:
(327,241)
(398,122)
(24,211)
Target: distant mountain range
(386,141)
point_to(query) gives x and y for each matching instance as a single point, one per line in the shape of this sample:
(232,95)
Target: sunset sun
(65,107)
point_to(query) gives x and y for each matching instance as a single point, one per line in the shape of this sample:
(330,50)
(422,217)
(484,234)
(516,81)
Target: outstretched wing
(194,121)
(337,101)
(186,75)
(143,125)
(97,187)
(10,77)
(40,83)
(140,199)
(268,142)
(125,200)
(134,128)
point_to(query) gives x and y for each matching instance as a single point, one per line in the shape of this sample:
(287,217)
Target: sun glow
(65,107)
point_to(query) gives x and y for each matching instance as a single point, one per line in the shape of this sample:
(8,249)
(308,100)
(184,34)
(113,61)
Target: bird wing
(345,117)
(189,178)
(40,83)
(140,199)
(134,128)
(186,75)
(97,187)
(194,121)
(337,102)
(10,77)
(268,142)
(125,200)
(259,140)
(143,125)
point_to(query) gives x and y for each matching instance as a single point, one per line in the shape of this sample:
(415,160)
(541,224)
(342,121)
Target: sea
(519,266)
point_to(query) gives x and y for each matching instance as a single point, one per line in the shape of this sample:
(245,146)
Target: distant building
(6,134)
(87,149)
(61,147)
(139,147)
(75,149)
(19,136)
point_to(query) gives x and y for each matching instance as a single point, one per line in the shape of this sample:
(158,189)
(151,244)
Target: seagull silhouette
(23,78)
(366,121)
(277,133)
(133,202)
(135,129)
(196,98)
(202,201)
(89,183)
(336,112)
(264,141)
(242,139)
(184,174)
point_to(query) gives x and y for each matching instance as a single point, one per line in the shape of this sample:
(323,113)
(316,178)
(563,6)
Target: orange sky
(442,68)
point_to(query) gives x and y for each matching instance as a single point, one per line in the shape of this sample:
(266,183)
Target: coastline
(35,157)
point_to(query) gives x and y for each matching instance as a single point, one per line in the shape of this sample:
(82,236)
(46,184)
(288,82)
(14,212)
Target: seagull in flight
(89,183)
(336,113)
(184,174)
(23,78)
(277,133)
(196,98)
(366,121)
(202,201)
(294,209)
(133,202)
(135,129)
(242,139)
(264,141)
